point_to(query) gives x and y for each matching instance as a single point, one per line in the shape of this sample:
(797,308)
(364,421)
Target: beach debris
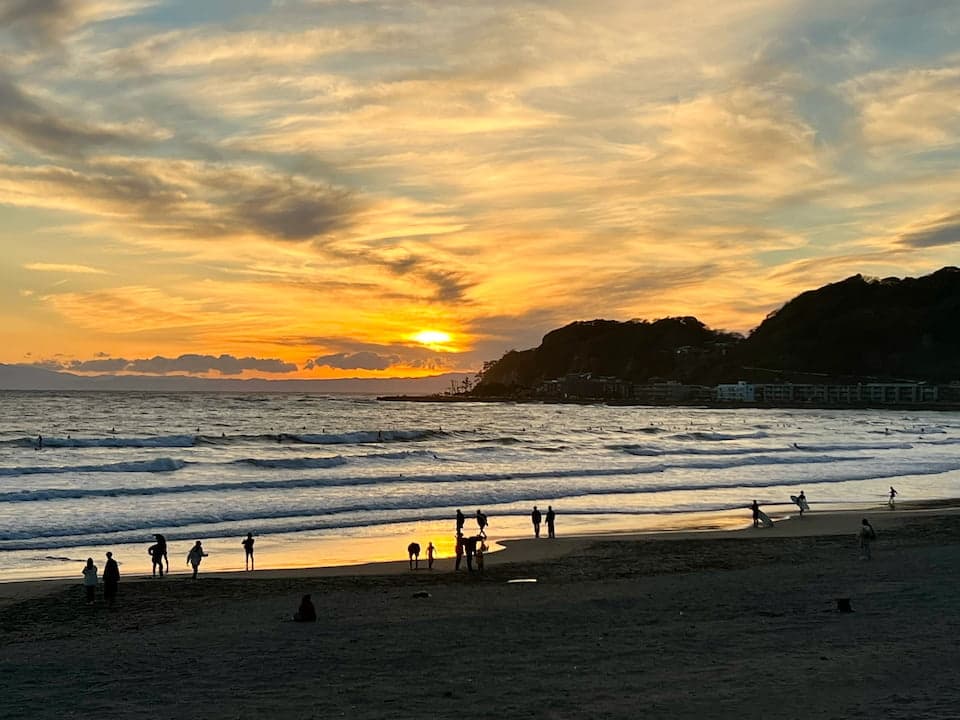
(421,594)
(522,580)
(843,605)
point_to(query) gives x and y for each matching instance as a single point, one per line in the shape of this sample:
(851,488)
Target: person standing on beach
(551,518)
(893,494)
(459,550)
(867,535)
(413,549)
(155,552)
(756,513)
(430,551)
(111,579)
(536,516)
(802,502)
(470,549)
(162,543)
(194,557)
(460,521)
(90,581)
(482,523)
(248,551)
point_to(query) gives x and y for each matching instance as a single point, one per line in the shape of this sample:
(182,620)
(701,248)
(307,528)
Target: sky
(352,188)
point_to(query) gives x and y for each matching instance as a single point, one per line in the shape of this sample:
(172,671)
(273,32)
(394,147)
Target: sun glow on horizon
(432,338)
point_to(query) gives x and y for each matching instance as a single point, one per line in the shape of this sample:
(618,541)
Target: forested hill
(856,328)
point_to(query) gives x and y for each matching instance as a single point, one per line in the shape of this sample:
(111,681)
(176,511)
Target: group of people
(111,580)
(537,517)
(160,560)
(413,550)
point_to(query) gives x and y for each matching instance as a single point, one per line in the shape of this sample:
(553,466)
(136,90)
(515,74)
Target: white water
(363,476)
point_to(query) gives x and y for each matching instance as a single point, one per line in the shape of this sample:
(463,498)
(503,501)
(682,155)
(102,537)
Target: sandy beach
(708,625)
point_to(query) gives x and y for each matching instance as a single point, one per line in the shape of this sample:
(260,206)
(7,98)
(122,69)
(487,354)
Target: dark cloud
(48,128)
(191,364)
(363,360)
(40,22)
(945,231)
(292,210)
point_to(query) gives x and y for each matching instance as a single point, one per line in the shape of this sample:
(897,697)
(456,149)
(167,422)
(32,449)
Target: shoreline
(525,550)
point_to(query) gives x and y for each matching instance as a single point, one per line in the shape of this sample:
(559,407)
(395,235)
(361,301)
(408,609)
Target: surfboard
(765,520)
(800,502)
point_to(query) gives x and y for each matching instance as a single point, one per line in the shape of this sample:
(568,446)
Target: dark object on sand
(843,605)
(306,612)
(421,594)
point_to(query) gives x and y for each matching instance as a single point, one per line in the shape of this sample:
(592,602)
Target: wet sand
(707,625)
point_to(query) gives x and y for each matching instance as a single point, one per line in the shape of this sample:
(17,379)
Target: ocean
(323,480)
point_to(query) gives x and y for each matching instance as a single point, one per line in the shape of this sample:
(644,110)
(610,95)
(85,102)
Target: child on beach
(90,580)
(194,557)
(248,551)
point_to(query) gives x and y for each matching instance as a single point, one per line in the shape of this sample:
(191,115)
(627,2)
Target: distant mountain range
(28,377)
(859,328)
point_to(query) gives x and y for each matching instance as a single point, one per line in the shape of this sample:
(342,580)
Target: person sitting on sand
(482,523)
(430,553)
(413,549)
(248,551)
(306,612)
(90,580)
(867,535)
(194,557)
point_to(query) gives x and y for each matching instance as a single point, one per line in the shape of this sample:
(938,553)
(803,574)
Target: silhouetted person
(551,518)
(248,551)
(39,442)
(90,581)
(756,514)
(802,501)
(306,612)
(867,535)
(893,494)
(460,520)
(155,552)
(482,523)
(430,551)
(536,516)
(111,579)
(470,549)
(481,549)
(413,549)
(162,542)
(194,557)
(459,550)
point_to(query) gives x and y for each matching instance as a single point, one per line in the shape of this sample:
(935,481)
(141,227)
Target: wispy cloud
(64,268)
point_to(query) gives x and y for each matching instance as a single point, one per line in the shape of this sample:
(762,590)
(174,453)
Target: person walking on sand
(248,551)
(162,543)
(430,551)
(194,557)
(756,513)
(802,502)
(482,523)
(551,518)
(413,549)
(459,550)
(893,494)
(111,579)
(90,581)
(867,535)
(460,521)
(536,516)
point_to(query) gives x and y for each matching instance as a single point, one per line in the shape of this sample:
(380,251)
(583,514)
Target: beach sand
(695,625)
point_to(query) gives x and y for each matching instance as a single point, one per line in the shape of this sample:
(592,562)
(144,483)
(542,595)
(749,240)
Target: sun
(432,338)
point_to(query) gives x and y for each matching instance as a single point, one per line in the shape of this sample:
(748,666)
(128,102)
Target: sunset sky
(332,188)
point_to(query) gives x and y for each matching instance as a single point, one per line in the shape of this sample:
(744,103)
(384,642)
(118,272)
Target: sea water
(323,480)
